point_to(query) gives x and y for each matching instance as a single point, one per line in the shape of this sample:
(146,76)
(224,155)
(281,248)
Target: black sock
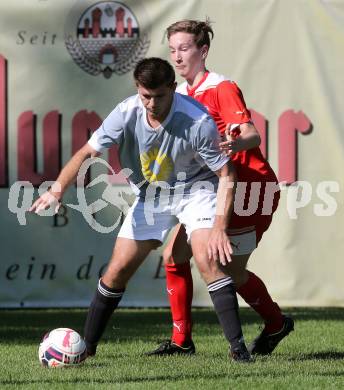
(104,303)
(223,295)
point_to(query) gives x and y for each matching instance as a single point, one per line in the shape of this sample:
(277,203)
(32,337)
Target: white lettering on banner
(299,195)
(54,205)
(14,199)
(110,195)
(180,188)
(224,183)
(253,199)
(270,190)
(330,206)
(153,205)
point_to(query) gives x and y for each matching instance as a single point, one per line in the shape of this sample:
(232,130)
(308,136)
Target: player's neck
(155,121)
(194,80)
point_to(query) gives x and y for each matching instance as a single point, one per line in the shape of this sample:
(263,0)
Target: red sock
(180,290)
(256,295)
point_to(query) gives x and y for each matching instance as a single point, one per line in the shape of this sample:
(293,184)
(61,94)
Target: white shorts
(149,219)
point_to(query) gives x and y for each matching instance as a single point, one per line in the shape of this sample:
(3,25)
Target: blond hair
(202,31)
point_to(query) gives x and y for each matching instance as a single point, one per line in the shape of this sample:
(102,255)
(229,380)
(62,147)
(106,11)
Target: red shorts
(258,222)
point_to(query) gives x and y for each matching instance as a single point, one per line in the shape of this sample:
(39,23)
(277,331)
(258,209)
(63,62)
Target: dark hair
(201,30)
(154,72)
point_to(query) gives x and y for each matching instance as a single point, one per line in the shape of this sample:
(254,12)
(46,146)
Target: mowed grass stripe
(312,357)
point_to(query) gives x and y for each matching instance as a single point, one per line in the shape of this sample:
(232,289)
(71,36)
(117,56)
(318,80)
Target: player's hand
(219,246)
(231,145)
(46,201)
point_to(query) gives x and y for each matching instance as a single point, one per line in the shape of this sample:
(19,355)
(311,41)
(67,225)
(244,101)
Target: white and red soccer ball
(62,347)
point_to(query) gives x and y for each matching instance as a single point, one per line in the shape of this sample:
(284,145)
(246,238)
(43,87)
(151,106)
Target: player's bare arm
(53,196)
(249,138)
(219,247)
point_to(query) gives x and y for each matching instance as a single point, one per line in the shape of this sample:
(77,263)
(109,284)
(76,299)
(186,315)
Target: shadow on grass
(319,313)
(109,381)
(166,378)
(154,381)
(325,355)
(26,326)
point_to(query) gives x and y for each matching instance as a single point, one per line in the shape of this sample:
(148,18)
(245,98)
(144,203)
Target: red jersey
(225,103)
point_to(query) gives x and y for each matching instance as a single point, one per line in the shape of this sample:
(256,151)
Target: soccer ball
(62,347)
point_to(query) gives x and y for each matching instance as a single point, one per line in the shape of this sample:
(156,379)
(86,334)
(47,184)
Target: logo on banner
(107,40)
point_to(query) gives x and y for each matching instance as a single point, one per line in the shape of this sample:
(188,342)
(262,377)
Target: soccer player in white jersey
(189,42)
(171,145)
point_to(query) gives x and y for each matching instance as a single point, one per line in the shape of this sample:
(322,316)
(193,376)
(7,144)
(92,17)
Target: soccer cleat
(168,347)
(265,343)
(240,354)
(91,349)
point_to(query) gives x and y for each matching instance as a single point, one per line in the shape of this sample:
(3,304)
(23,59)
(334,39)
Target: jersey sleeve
(231,104)
(207,142)
(110,132)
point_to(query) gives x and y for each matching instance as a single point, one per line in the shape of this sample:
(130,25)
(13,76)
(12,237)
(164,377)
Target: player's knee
(209,271)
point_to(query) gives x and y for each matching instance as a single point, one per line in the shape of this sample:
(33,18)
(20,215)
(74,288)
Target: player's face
(187,58)
(157,101)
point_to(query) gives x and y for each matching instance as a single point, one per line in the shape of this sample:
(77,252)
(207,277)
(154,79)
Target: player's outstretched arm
(53,196)
(219,247)
(249,138)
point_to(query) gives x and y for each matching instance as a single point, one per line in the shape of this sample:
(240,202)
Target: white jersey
(181,152)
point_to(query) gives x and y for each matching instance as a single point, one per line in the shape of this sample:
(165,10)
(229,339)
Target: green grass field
(312,357)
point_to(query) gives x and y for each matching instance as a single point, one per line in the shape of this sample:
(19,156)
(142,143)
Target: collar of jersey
(191,91)
(166,120)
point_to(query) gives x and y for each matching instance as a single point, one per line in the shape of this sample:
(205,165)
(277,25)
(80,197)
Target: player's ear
(204,51)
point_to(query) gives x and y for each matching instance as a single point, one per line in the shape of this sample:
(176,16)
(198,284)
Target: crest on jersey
(156,166)
(107,39)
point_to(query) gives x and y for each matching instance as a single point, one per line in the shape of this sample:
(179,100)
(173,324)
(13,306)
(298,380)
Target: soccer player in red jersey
(189,42)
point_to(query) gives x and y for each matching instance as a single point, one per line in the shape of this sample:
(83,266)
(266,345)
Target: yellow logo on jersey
(156,166)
